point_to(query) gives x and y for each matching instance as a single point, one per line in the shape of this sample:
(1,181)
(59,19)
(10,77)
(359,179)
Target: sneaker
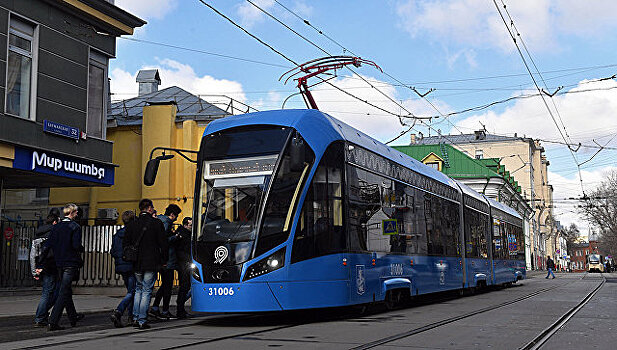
(135,324)
(41,324)
(166,315)
(116,318)
(144,326)
(54,327)
(78,317)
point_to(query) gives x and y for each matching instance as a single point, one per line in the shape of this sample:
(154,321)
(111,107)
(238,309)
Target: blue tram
(295,209)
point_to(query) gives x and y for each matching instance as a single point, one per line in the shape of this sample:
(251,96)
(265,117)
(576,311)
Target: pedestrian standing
(608,266)
(183,253)
(145,236)
(550,266)
(65,242)
(124,269)
(167,274)
(44,269)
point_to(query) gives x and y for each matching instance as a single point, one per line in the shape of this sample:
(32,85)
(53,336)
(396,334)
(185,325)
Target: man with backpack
(124,269)
(145,244)
(43,268)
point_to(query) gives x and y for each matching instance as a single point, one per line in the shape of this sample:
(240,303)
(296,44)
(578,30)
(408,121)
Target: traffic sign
(9,233)
(389,227)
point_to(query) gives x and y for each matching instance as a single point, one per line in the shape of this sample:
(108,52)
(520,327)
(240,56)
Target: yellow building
(172,118)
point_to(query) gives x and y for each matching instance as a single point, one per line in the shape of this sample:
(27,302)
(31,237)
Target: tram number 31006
(221,291)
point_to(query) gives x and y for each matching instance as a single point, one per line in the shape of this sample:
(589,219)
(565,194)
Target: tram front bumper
(233,297)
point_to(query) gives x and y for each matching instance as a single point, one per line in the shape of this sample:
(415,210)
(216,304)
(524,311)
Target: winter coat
(116,252)
(550,264)
(172,260)
(65,241)
(183,245)
(153,248)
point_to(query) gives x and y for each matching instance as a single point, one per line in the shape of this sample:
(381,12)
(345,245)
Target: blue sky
(461,49)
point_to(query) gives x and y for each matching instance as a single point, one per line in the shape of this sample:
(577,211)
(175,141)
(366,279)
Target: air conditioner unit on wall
(108,213)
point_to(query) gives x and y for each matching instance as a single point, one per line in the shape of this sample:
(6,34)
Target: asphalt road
(506,318)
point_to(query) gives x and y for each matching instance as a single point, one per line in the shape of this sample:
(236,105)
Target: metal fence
(98,269)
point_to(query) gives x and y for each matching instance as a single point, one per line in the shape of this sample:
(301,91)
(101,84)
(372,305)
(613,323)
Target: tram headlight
(195,272)
(268,264)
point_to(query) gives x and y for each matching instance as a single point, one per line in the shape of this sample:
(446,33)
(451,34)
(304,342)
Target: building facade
(526,161)
(54,59)
(170,118)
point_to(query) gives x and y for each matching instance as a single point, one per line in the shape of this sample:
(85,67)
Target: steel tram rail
(545,335)
(380,341)
(295,324)
(448,321)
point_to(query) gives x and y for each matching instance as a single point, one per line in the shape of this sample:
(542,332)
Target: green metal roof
(459,165)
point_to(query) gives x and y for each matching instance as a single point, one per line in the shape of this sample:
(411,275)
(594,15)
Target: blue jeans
(550,272)
(65,296)
(48,296)
(143,292)
(127,301)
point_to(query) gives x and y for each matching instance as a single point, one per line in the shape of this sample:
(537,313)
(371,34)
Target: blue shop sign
(61,129)
(60,165)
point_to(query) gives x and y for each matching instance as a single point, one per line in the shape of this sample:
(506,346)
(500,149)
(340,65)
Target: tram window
(499,240)
(320,229)
(442,226)
(476,225)
(282,200)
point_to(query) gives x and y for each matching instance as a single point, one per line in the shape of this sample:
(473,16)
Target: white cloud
(477,24)
(148,9)
(569,187)
(581,112)
(174,73)
(250,15)
(370,120)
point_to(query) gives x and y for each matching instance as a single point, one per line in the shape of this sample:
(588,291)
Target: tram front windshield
(594,258)
(236,170)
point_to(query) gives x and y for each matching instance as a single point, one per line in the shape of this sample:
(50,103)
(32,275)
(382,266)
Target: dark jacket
(183,246)
(172,260)
(550,264)
(116,252)
(45,259)
(65,241)
(153,248)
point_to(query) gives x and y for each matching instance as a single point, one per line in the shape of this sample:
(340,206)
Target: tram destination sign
(60,129)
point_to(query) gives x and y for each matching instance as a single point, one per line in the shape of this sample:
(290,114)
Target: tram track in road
(447,321)
(547,333)
(279,322)
(374,343)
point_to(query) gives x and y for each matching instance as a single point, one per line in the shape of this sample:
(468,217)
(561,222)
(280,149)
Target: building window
(21,63)
(97,88)
(433,165)
(479,154)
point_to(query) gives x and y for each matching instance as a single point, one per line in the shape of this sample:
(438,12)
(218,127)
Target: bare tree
(571,234)
(600,209)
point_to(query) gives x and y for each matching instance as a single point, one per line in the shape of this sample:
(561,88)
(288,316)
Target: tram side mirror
(297,153)
(151,169)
